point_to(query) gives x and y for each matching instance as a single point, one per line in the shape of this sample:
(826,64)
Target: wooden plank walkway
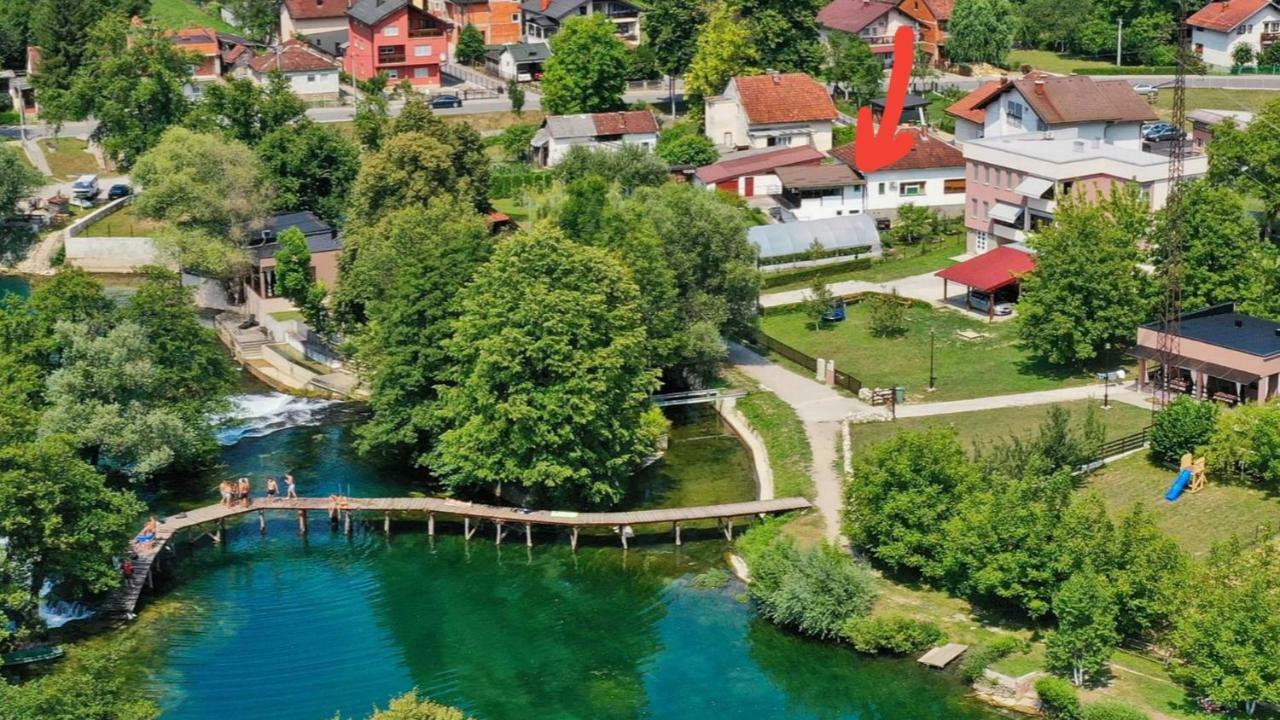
(942,656)
(124,601)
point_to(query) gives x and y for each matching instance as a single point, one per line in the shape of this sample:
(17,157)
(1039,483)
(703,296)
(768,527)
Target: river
(287,627)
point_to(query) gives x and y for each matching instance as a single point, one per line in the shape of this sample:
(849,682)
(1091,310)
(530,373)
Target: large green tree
(724,49)
(981,31)
(1087,290)
(587,70)
(61,31)
(294,281)
(549,386)
(257,18)
(671,28)
(245,110)
(1221,253)
(1086,632)
(17,181)
(470,49)
(311,166)
(852,67)
(784,32)
(1248,160)
(630,166)
(15,32)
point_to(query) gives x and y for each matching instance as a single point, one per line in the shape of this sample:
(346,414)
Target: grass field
(993,365)
(16,149)
(68,157)
(513,208)
(178,14)
(1053,62)
(911,262)
(1217,99)
(977,428)
(123,223)
(1196,521)
(789,453)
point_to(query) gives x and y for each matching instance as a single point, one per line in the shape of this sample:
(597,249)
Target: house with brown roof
(750,173)
(876,21)
(1108,110)
(1218,27)
(560,133)
(930,175)
(771,110)
(312,74)
(323,23)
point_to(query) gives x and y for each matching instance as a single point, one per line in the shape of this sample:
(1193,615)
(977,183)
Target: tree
(1228,633)
(311,166)
(515,141)
(61,31)
(89,686)
(210,191)
(1055,23)
(405,279)
(15,32)
(294,281)
(630,166)
(27,335)
(1086,633)
(1065,318)
(411,707)
(1148,574)
(685,144)
(671,28)
(549,385)
(1248,160)
(888,315)
(370,121)
(1247,442)
(981,31)
(257,18)
(587,70)
(1147,38)
(246,111)
(17,181)
(1221,255)
(915,224)
(784,32)
(905,489)
(60,520)
(1059,699)
(515,93)
(642,63)
(815,591)
(471,48)
(1241,55)
(819,300)
(724,49)
(852,67)
(411,168)
(1183,427)
(1270,55)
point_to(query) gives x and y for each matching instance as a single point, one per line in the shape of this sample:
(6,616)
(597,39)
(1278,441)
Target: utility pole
(933,379)
(1119,38)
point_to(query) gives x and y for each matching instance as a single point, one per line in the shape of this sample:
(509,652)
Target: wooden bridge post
(431,524)
(622,533)
(221,531)
(728,529)
(347,521)
(333,514)
(262,521)
(528,535)
(573,538)
(497,532)
(302,521)
(466,527)
(676,526)
(386,523)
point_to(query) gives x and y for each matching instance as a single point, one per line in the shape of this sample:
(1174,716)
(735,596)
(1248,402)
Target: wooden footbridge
(211,521)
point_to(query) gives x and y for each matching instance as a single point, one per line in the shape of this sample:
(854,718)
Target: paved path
(1127,394)
(821,409)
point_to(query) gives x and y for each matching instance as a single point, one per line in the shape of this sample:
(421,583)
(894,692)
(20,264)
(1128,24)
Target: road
(1221,82)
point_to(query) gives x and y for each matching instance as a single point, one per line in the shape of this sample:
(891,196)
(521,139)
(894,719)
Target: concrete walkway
(1127,394)
(821,409)
(925,286)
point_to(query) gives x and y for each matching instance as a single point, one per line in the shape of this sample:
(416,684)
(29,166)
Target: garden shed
(788,245)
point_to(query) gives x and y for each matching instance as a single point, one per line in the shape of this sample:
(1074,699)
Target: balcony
(391,58)
(1269,38)
(421,32)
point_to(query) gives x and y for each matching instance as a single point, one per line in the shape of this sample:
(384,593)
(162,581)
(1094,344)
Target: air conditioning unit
(893,186)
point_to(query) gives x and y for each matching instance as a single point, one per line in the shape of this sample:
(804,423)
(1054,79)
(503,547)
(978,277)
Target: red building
(395,38)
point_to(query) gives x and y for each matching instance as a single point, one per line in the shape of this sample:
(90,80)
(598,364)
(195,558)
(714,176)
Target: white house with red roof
(322,22)
(771,110)
(1217,28)
(312,74)
(930,175)
(751,173)
(875,21)
(560,133)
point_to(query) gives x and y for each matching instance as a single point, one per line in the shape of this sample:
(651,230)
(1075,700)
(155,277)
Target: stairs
(122,603)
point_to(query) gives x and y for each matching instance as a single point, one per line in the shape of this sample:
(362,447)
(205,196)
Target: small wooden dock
(211,520)
(942,656)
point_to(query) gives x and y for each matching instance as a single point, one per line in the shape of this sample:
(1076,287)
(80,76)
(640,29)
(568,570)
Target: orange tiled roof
(784,98)
(1225,15)
(928,152)
(625,123)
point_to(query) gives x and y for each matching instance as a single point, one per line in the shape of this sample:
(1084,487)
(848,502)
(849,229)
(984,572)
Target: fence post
(829,375)
(820,370)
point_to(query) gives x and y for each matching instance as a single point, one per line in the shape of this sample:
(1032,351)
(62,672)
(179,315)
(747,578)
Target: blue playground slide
(1179,485)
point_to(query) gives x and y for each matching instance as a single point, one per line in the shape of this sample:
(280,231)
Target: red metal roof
(852,16)
(784,98)
(1225,15)
(316,9)
(629,122)
(991,270)
(757,163)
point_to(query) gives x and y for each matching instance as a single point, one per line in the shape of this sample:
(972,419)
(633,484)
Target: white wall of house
(843,201)
(290,27)
(1012,115)
(310,85)
(1215,47)
(887,191)
(881,31)
(727,126)
(967,130)
(763,184)
(558,148)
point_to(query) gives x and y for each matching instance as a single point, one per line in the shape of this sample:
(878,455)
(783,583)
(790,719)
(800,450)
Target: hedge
(1129,70)
(1058,698)
(1256,70)
(786,277)
(810,255)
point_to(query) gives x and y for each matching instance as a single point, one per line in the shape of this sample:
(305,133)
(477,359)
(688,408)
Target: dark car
(118,191)
(1164,135)
(1150,131)
(446,101)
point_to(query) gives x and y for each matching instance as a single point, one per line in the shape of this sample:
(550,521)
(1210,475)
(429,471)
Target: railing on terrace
(425,32)
(391,58)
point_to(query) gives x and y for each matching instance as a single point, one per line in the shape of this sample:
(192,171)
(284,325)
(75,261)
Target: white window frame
(914,185)
(391,31)
(422,51)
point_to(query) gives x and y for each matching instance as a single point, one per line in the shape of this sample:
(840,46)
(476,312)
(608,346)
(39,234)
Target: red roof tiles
(1078,98)
(784,98)
(757,163)
(852,16)
(991,270)
(294,56)
(625,123)
(1225,15)
(316,9)
(926,153)
(941,8)
(966,107)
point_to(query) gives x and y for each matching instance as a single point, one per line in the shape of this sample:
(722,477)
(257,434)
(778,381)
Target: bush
(1108,710)
(786,277)
(1183,426)
(814,591)
(982,657)
(1246,441)
(1058,698)
(822,254)
(888,315)
(892,634)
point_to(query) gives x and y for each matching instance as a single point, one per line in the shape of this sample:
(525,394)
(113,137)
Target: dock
(943,655)
(211,521)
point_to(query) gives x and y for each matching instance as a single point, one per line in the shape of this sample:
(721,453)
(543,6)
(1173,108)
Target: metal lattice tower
(1171,307)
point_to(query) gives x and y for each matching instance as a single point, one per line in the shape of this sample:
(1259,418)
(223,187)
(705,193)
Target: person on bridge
(148,534)
(290,489)
(244,491)
(272,489)
(225,490)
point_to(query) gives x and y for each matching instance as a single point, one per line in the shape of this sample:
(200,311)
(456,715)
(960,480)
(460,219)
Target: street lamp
(1106,377)
(933,379)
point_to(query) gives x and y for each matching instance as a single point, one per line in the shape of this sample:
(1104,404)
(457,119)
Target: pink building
(398,39)
(1013,182)
(1218,354)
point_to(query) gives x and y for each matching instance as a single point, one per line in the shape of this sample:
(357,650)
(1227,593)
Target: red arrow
(874,149)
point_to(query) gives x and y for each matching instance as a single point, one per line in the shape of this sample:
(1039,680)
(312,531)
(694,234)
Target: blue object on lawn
(835,314)
(1179,485)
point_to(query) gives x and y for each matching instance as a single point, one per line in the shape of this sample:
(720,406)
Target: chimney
(1004,79)
(1039,87)
(545,4)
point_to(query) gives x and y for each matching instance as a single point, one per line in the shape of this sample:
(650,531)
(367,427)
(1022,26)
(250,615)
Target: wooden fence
(772,344)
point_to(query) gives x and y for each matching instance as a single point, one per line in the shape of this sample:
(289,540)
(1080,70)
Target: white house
(312,74)
(559,133)
(930,175)
(813,192)
(542,18)
(875,21)
(1108,110)
(520,61)
(322,22)
(1219,26)
(749,173)
(771,110)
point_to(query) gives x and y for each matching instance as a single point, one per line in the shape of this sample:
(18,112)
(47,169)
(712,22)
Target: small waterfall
(262,414)
(57,613)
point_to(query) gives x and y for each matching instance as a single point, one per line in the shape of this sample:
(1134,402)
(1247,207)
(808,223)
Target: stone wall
(111,254)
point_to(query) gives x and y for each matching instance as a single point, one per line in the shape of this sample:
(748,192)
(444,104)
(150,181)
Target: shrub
(814,591)
(786,277)
(1247,441)
(888,315)
(1183,426)
(1108,710)
(981,657)
(1058,698)
(892,634)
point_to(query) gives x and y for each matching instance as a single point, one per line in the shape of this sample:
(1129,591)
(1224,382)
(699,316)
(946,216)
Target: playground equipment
(1190,477)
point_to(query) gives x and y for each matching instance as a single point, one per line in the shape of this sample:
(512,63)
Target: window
(986,209)
(910,189)
(880,190)
(422,51)
(515,17)
(422,72)
(311,78)
(1244,29)
(953,186)
(973,171)
(986,175)
(1271,26)
(980,240)
(391,31)
(779,141)
(973,207)
(1014,112)
(392,74)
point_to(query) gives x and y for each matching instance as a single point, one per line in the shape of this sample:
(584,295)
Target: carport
(989,272)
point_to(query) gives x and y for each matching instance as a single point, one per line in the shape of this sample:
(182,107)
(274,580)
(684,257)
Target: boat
(31,655)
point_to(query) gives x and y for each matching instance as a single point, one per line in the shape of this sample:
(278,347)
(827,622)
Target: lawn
(179,14)
(68,157)
(910,262)
(1054,62)
(496,121)
(993,365)
(1196,521)
(1216,99)
(789,453)
(975,429)
(514,208)
(123,223)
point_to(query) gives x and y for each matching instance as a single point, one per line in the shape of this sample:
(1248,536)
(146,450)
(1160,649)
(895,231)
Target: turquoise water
(292,627)
(14,285)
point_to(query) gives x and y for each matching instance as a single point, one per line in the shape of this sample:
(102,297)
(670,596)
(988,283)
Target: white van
(85,186)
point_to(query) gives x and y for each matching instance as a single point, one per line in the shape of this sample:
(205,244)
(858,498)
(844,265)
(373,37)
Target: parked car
(119,190)
(1151,91)
(85,186)
(979,300)
(1164,135)
(446,101)
(1150,131)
